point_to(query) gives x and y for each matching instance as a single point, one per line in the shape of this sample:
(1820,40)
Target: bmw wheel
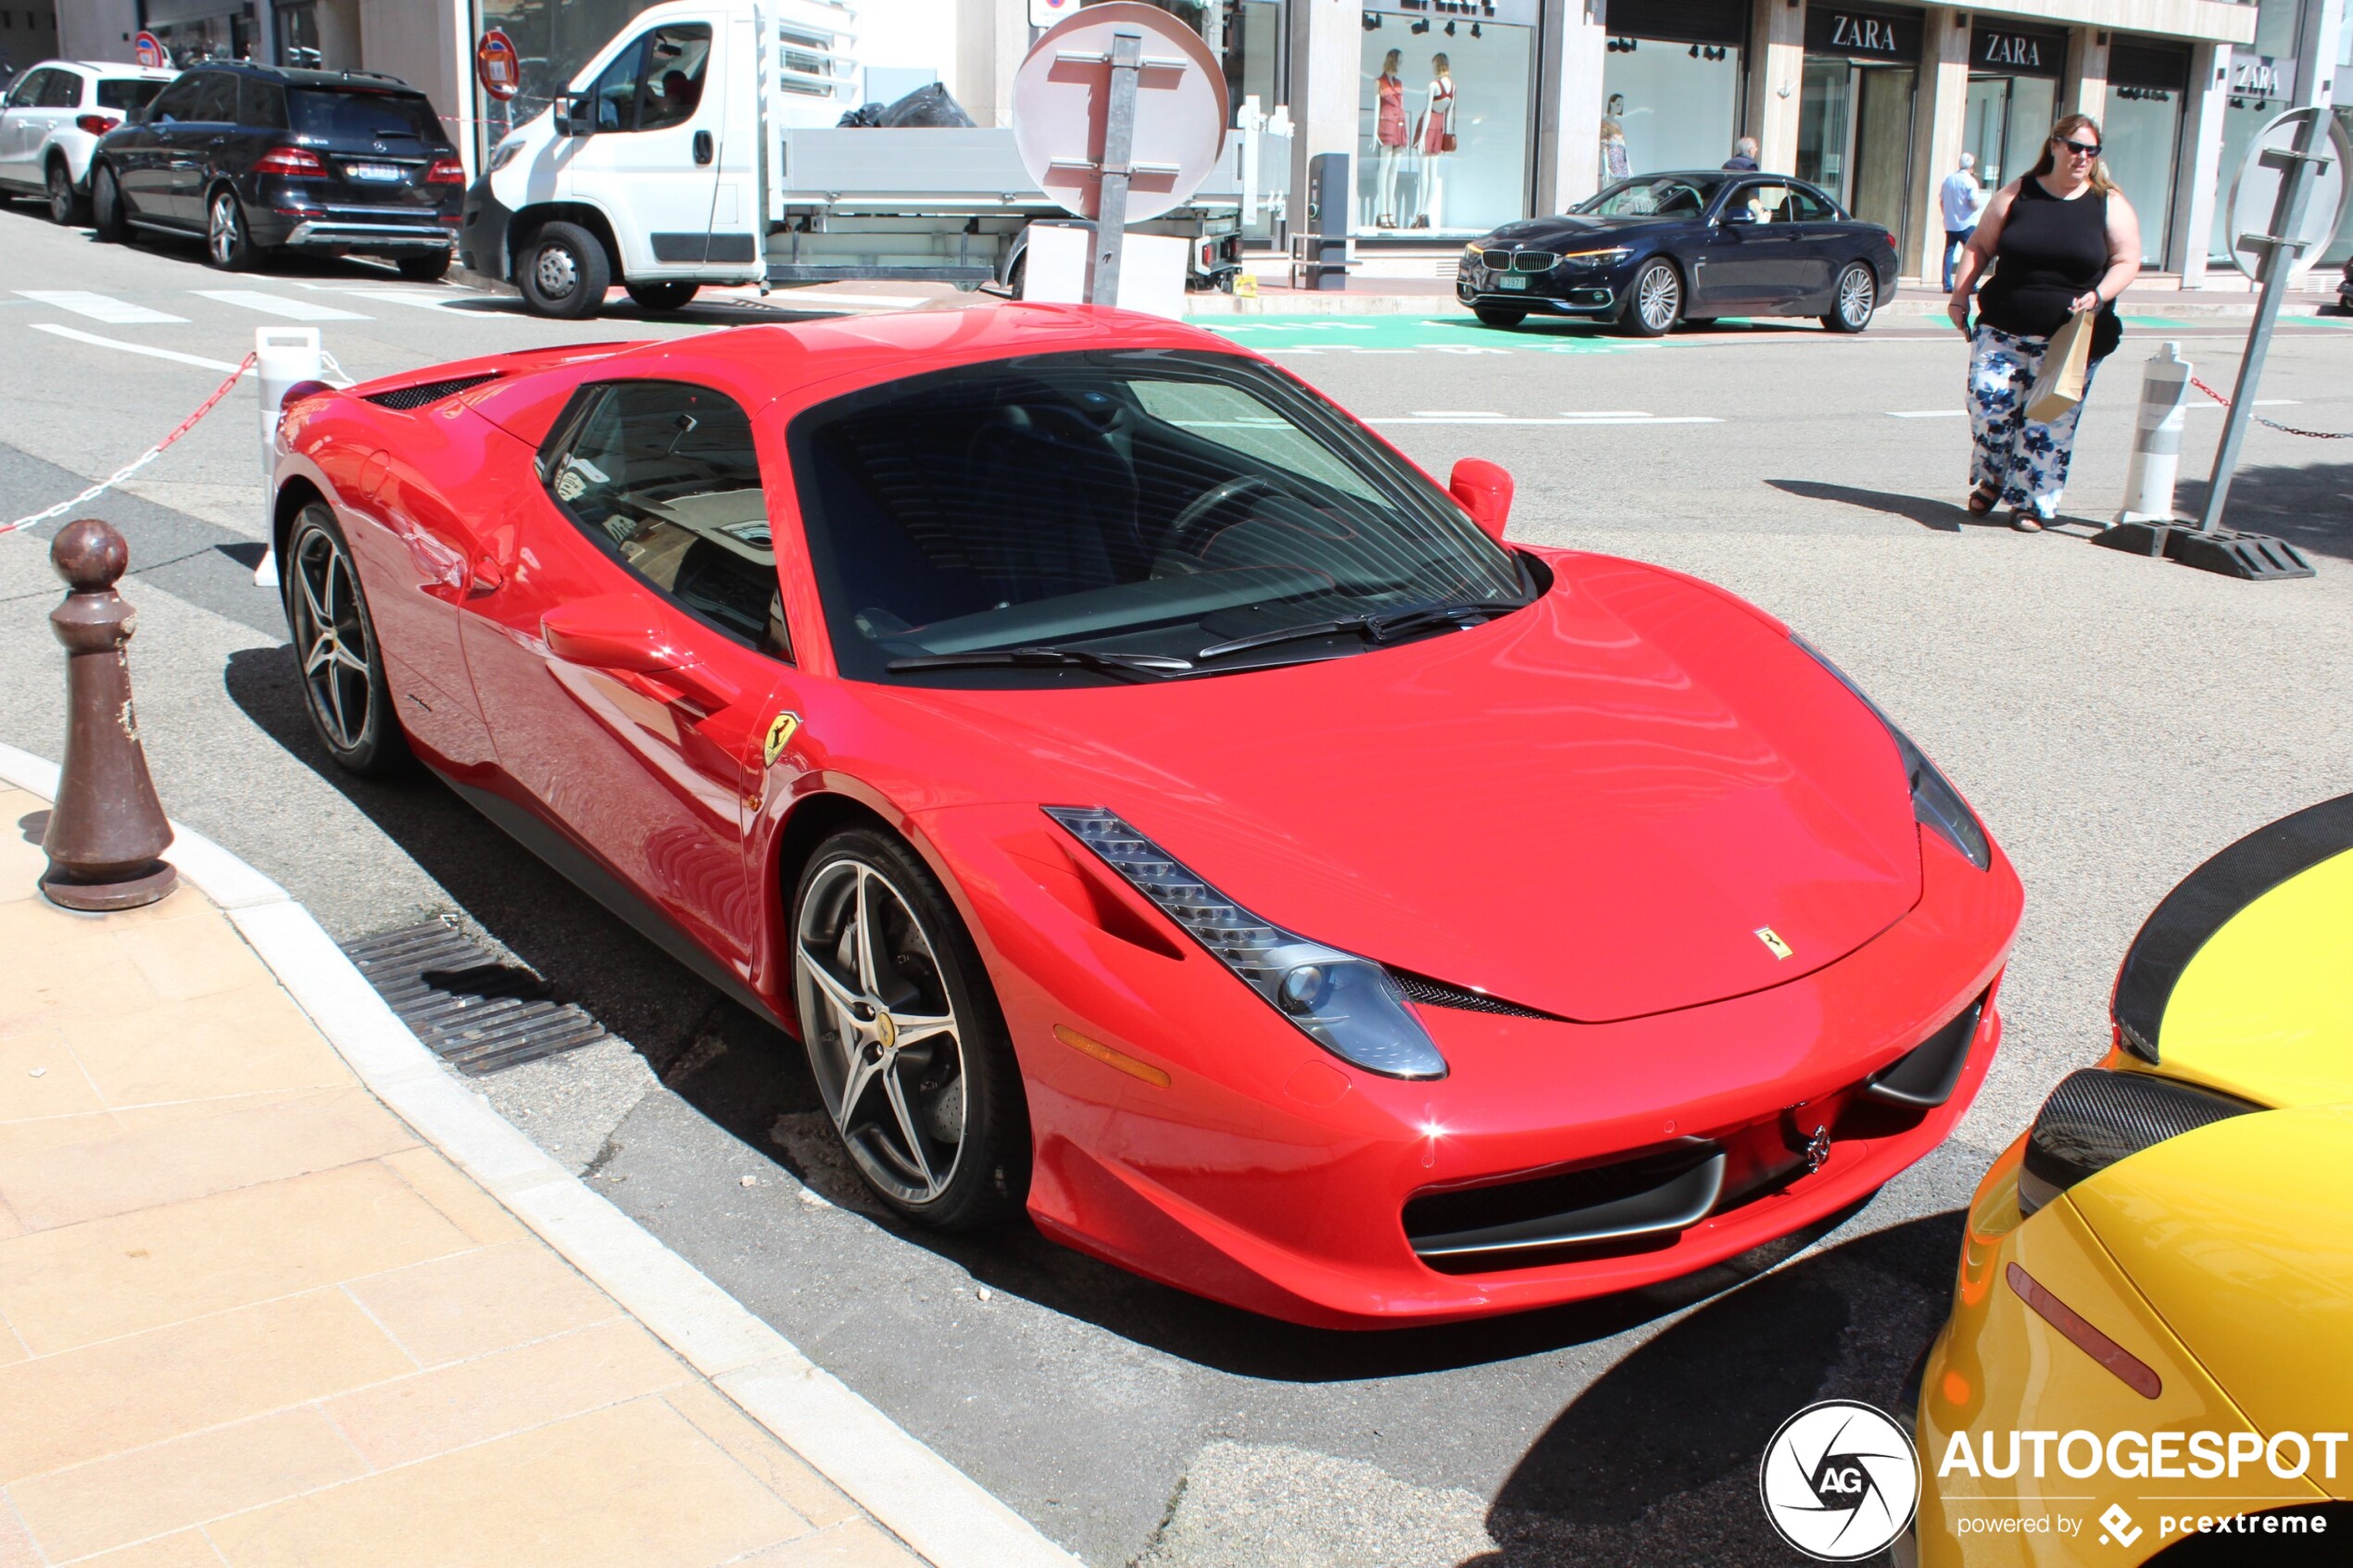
(563,272)
(228,243)
(904,1036)
(66,204)
(1495,316)
(1655,300)
(106,217)
(343,687)
(1856,299)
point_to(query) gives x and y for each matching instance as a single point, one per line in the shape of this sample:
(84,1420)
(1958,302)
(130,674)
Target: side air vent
(1923,1077)
(1438,994)
(1629,1203)
(406,397)
(2096,1118)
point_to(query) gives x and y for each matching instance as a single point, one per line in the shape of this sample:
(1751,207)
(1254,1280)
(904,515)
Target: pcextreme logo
(1840,1481)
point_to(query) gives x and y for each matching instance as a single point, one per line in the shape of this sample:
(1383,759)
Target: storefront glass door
(2140,132)
(1854,137)
(2010,118)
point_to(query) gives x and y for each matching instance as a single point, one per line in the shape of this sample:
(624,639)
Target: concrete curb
(944,1514)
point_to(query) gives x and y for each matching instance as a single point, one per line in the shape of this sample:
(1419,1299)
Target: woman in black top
(2063,239)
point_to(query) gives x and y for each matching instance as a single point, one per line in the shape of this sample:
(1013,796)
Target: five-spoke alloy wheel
(903,1036)
(343,677)
(228,245)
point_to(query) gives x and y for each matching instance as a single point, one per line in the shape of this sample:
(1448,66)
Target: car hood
(1590,806)
(1568,228)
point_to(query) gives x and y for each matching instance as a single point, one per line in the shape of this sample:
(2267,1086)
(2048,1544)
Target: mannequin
(1388,136)
(1436,144)
(1614,164)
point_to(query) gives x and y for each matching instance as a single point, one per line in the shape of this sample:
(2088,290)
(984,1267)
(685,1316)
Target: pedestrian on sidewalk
(1961,197)
(1743,158)
(2061,239)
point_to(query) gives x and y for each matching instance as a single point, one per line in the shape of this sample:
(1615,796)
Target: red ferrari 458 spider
(1152,801)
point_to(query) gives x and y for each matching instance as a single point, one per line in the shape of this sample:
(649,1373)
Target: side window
(1805,207)
(217,100)
(179,100)
(260,105)
(27,93)
(662,476)
(64,91)
(656,82)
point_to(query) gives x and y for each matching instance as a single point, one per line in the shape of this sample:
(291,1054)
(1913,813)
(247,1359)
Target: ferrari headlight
(1348,1004)
(1936,805)
(1595,257)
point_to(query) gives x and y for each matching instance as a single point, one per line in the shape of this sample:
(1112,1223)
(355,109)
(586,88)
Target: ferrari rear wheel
(342,673)
(904,1036)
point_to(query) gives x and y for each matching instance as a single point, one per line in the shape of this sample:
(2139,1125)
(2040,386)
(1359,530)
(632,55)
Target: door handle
(704,149)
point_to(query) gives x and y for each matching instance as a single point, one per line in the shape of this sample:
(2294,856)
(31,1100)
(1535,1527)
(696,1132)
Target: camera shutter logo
(1840,1481)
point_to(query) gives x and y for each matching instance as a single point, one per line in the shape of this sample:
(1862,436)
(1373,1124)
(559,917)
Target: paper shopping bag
(2059,384)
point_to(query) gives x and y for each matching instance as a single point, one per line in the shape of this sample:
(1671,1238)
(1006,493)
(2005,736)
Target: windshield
(129,92)
(1136,503)
(342,116)
(1655,195)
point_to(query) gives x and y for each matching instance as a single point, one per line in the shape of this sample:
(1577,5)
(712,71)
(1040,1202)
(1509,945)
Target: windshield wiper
(1132,666)
(1379,627)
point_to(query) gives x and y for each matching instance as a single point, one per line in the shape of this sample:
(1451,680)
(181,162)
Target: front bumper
(1545,294)
(1272,1176)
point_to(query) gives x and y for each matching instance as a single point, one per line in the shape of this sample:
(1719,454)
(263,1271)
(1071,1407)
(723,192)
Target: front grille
(1534,260)
(2096,1118)
(417,396)
(1630,1202)
(1438,994)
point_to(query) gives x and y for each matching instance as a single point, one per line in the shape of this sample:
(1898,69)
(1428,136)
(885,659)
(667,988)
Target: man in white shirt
(1962,196)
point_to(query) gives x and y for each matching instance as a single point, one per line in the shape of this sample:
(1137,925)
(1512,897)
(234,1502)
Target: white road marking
(279,305)
(413,297)
(132,347)
(1928,413)
(1454,414)
(99,308)
(1575,420)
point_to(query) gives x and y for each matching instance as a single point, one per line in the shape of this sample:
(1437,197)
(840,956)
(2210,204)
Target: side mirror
(1739,212)
(576,114)
(613,632)
(1484,490)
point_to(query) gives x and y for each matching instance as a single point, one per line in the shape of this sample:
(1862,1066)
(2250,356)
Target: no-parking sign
(1046,13)
(151,52)
(498,65)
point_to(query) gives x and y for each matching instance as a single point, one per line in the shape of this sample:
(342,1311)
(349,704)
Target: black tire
(989,1179)
(1854,300)
(1489,315)
(107,216)
(68,205)
(228,240)
(1017,279)
(423,268)
(563,272)
(326,621)
(661,296)
(1654,300)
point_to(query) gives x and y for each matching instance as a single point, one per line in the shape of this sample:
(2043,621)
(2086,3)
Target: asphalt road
(2115,720)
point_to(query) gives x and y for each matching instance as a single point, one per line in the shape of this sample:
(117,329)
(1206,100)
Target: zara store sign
(2012,52)
(1863,35)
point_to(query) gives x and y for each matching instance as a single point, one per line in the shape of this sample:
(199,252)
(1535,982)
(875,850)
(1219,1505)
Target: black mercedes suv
(254,158)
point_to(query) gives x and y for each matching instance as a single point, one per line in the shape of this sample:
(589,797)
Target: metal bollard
(2157,443)
(282,357)
(107,830)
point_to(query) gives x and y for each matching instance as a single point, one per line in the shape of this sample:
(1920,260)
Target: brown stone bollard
(107,827)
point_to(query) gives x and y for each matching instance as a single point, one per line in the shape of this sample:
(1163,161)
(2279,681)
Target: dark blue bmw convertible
(1690,247)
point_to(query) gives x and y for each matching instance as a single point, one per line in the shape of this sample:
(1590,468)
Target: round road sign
(1061,98)
(2257,191)
(498,65)
(151,52)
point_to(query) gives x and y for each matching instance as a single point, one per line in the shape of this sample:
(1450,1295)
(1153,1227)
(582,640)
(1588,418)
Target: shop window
(1445,125)
(1675,103)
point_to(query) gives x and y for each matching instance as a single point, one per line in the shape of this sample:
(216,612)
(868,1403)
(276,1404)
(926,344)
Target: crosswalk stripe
(279,305)
(417,298)
(176,358)
(99,307)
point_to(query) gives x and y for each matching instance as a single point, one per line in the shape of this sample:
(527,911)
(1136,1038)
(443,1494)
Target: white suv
(53,117)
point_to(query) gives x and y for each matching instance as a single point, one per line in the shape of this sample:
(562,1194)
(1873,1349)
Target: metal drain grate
(478,1010)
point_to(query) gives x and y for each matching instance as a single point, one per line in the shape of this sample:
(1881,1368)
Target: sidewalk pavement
(247,1317)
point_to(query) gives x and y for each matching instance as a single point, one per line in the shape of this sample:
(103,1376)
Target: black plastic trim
(1652,1193)
(1923,1077)
(2207,899)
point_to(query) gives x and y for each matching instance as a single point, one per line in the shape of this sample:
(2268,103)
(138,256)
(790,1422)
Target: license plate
(1511,281)
(384,171)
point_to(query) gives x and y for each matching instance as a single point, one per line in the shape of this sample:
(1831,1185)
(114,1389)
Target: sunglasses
(2088,149)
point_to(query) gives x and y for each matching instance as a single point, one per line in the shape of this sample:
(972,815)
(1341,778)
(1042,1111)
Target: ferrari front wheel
(344,687)
(904,1035)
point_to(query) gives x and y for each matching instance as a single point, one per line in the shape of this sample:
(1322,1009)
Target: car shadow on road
(1656,1460)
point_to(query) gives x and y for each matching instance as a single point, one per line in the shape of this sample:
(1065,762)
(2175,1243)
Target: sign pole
(1119,138)
(2280,250)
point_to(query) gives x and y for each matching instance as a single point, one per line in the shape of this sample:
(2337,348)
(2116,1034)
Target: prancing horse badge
(781,731)
(1764,934)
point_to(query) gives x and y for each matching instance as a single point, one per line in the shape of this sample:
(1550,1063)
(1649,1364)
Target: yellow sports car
(2150,1356)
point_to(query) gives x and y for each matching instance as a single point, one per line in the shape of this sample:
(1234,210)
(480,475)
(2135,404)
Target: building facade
(1459,115)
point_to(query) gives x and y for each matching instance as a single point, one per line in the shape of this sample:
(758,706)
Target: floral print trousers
(2025,461)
